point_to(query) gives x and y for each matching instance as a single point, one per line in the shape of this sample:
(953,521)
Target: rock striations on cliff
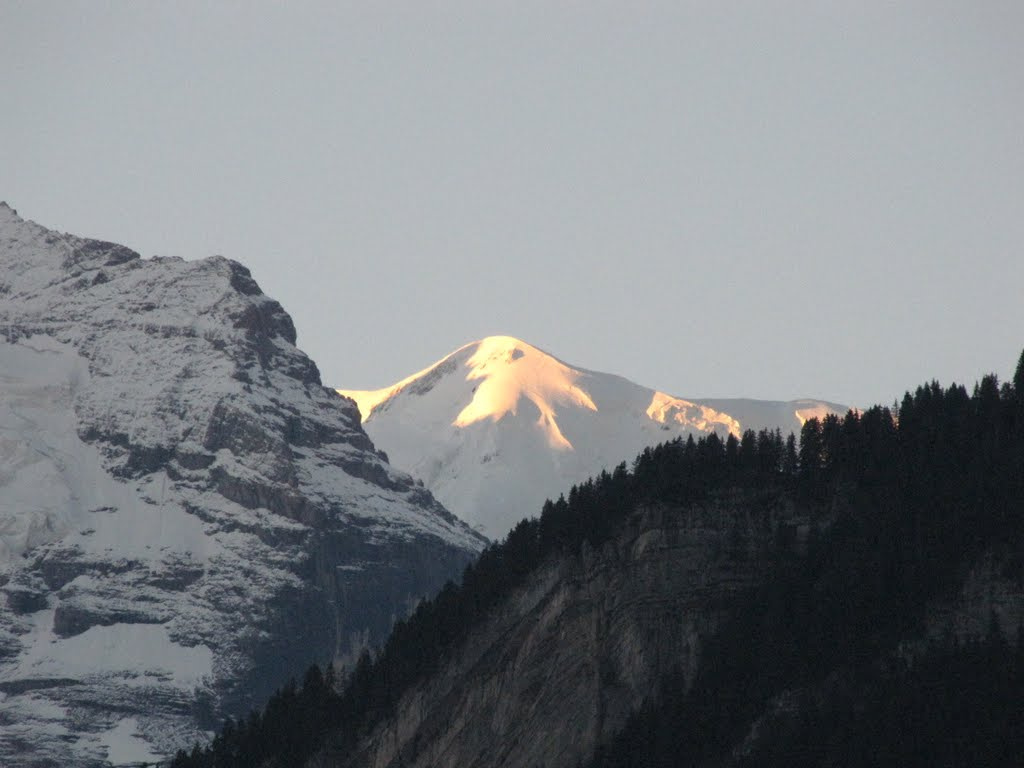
(563,661)
(187,516)
(555,673)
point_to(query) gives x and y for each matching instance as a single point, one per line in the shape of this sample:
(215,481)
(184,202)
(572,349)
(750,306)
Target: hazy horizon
(770,202)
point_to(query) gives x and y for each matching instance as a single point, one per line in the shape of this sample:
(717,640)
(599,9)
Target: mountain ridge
(187,515)
(499,425)
(730,604)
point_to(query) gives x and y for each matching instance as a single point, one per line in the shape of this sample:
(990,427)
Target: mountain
(498,426)
(187,516)
(714,606)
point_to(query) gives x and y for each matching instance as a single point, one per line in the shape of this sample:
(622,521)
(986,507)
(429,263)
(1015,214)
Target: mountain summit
(188,517)
(498,426)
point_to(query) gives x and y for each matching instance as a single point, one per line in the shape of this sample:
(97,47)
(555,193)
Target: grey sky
(769,200)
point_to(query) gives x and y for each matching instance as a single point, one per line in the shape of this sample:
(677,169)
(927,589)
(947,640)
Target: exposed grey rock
(559,665)
(208,519)
(562,662)
(26,593)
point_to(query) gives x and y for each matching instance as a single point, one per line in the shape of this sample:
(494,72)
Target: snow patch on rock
(187,516)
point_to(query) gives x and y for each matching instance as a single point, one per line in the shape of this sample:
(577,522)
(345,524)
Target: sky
(715,199)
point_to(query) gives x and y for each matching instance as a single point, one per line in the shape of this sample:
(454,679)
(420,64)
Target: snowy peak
(484,359)
(187,516)
(499,425)
(507,372)
(505,375)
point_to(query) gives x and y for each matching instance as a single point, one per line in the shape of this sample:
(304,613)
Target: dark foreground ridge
(831,658)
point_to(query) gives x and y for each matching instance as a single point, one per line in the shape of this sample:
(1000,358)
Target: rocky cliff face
(559,666)
(187,516)
(564,661)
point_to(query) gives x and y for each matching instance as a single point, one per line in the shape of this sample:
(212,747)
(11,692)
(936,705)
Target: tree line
(922,488)
(922,491)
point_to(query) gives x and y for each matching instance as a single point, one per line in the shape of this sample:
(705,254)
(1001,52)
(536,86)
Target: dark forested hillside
(816,665)
(812,670)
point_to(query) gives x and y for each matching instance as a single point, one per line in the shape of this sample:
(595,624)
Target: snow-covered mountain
(187,516)
(498,426)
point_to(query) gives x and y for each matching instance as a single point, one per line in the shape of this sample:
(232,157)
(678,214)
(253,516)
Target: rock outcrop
(566,658)
(187,516)
(561,663)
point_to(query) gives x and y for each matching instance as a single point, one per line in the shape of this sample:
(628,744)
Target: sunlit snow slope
(498,426)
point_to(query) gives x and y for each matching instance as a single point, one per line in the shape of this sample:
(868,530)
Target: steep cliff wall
(187,516)
(559,666)
(563,661)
